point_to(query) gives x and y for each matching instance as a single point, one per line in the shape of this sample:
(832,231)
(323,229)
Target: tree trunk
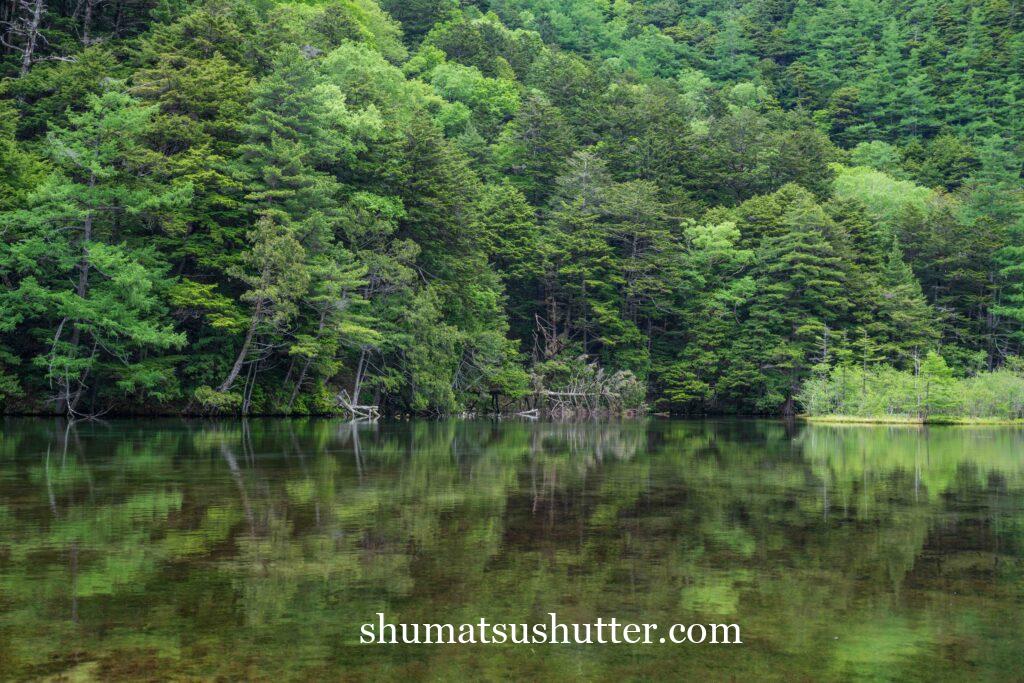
(291,371)
(298,383)
(83,265)
(305,366)
(87,22)
(240,361)
(118,19)
(359,377)
(250,381)
(31,36)
(787,407)
(73,403)
(65,404)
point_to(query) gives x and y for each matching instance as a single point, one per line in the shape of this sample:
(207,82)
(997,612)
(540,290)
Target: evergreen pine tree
(80,270)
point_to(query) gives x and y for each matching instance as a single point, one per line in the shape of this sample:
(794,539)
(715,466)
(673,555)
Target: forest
(749,207)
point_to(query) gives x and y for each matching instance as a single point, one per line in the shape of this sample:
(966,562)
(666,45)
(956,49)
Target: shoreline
(891,420)
(907,421)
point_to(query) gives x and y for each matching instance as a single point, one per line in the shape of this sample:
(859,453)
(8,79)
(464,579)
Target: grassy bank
(911,420)
(886,395)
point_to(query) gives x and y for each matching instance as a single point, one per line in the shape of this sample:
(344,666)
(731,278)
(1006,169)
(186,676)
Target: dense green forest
(234,206)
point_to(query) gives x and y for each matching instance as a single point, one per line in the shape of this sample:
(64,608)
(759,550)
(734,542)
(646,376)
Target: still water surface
(204,550)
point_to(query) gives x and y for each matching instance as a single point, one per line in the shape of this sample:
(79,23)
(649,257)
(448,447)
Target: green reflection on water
(256,550)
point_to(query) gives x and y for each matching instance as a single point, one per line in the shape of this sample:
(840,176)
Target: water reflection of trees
(178,542)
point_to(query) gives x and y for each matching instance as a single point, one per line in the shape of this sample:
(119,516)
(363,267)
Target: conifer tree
(81,272)
(907,325)
(533,146)
(801,293)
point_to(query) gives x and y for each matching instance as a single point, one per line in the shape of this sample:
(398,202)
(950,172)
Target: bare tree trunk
(250,382)
(240,361)
(359,377)
(73,403)
(31,36)
(298,382)
(65,404)
(917,383)
(82,290)
(87,22)
(291,371)
(8,11)
(118,17)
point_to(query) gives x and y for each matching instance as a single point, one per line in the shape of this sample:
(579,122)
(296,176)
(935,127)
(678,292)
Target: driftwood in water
(356,411)
(588,391)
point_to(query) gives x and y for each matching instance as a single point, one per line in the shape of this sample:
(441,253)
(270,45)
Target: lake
(256,550)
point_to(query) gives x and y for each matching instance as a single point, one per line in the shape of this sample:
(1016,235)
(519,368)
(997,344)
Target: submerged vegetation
(250,206)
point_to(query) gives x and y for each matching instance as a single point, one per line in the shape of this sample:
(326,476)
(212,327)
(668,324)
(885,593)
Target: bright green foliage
(322,26)
(340,319)
(275,278)
(229,206)
(20,170)
(884,197)
(720,291)
(491,100)
(928,392)
(83,280)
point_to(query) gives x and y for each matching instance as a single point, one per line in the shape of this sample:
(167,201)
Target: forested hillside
(234,206)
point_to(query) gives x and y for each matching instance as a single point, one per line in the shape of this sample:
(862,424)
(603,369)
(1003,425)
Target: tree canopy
(234,206)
